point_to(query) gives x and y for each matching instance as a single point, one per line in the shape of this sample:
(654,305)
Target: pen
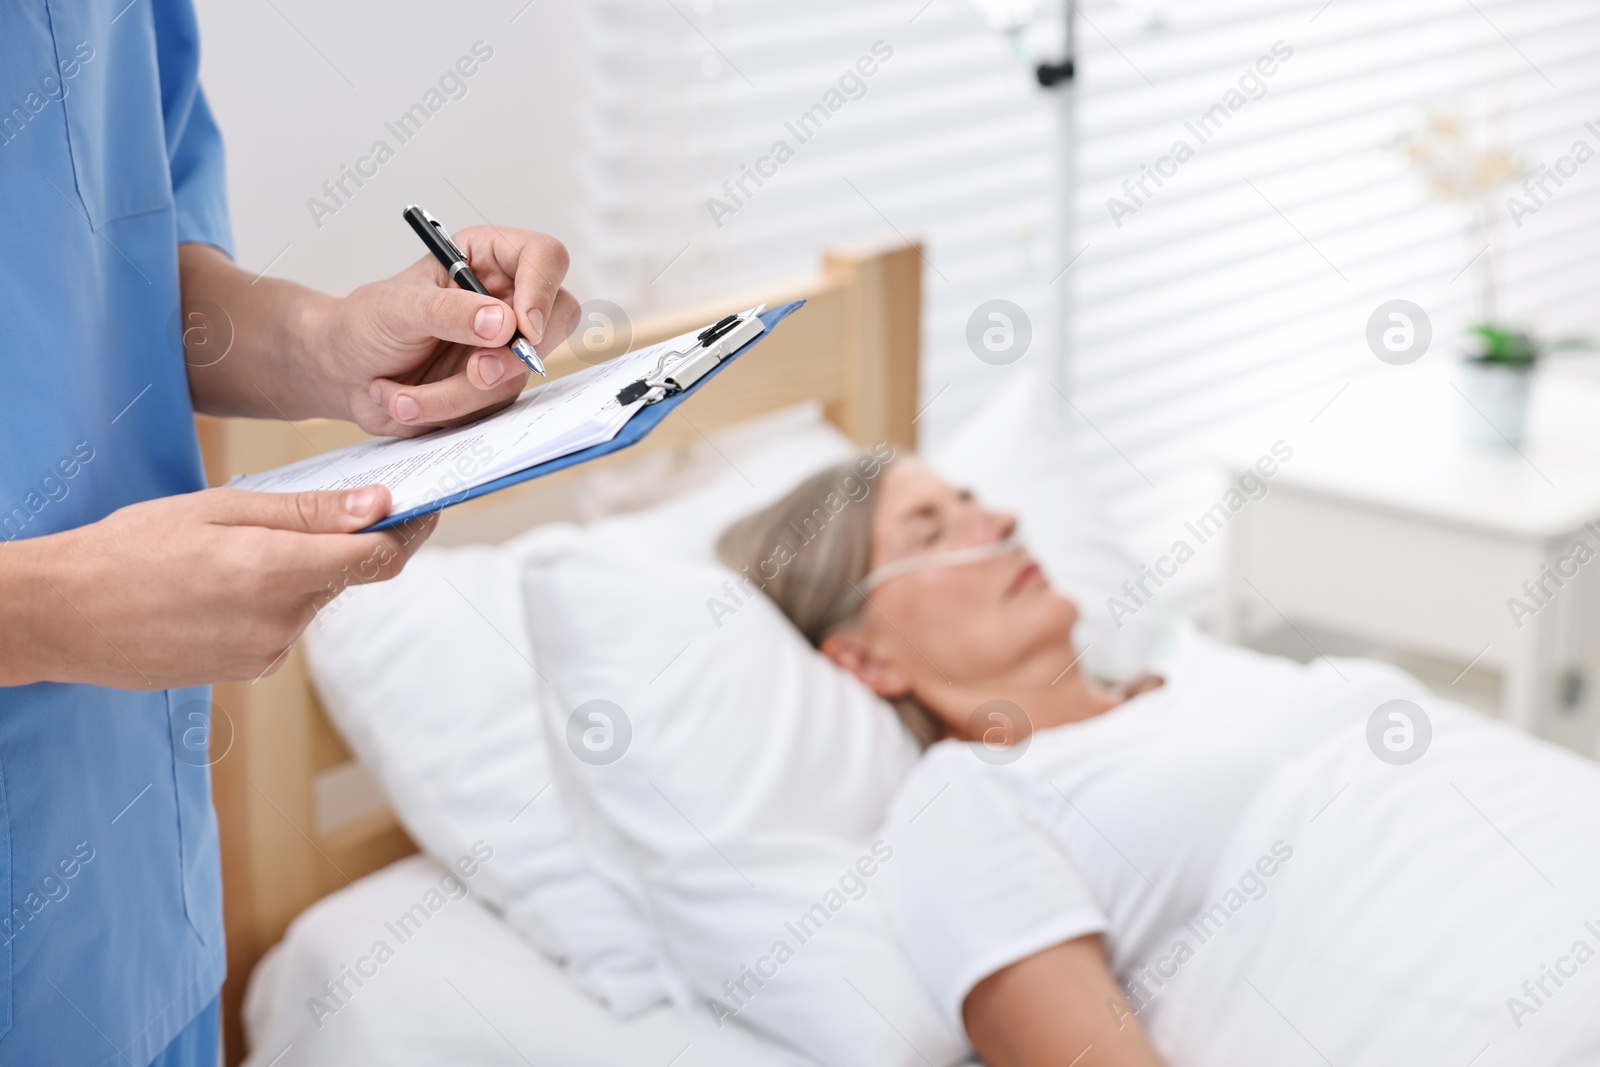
(455,264)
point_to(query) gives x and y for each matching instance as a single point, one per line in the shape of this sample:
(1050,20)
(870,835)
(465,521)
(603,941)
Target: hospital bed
(297,818)
(455,715)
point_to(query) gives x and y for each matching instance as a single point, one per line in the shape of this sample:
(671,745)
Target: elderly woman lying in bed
(1054,888)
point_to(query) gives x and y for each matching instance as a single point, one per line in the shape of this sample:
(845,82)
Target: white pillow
(430,681)
(1018,453)
(754,463)
(747,782)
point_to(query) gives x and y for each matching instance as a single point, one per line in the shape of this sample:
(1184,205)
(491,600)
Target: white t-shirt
(1113,825)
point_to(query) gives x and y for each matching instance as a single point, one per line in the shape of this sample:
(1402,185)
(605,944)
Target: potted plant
(1496,378)
(1499,358)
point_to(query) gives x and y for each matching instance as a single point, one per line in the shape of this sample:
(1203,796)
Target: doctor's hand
(397,357)
(416,352)
(211,586)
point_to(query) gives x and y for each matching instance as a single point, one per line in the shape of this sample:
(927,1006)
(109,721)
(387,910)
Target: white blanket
(1431,914)
(1446,912)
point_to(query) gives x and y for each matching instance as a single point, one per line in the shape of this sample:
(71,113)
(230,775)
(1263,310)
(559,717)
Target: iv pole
(1060,78)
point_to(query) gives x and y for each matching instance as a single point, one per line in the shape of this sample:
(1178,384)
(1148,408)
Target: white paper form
(551,420)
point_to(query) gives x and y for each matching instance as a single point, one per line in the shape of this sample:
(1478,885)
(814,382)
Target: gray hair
(810,551)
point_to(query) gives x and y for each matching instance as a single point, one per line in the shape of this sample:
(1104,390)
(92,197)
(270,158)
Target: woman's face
(953,633)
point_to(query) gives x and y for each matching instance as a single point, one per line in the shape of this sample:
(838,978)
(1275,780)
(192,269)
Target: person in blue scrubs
(127,586)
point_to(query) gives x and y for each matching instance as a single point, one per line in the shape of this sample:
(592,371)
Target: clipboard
(645,419)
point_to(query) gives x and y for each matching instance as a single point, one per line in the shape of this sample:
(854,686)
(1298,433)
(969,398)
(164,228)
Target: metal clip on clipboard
(677,371)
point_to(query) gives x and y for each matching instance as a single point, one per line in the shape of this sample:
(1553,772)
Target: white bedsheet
(1421,905)
(465,988)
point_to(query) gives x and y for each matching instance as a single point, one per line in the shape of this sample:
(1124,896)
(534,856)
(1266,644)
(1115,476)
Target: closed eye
(925,525)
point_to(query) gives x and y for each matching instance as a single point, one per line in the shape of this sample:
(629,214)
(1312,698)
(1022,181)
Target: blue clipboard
(644,420)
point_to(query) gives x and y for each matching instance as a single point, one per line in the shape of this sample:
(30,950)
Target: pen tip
(524,351)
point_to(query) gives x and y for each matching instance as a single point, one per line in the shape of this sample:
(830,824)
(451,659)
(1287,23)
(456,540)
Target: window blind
(948,140)
(1243,278)
(1247,276)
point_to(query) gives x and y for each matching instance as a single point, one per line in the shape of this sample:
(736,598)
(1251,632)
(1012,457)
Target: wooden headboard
(295,822)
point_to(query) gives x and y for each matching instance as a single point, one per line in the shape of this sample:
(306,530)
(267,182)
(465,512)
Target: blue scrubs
(111,941)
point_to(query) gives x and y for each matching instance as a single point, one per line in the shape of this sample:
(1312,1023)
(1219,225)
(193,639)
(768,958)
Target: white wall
(302,88)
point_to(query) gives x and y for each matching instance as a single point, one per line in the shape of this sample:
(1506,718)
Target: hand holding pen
(408,354)
(454,261)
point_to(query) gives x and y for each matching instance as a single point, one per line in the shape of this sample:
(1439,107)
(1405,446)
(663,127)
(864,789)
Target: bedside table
(1385,525)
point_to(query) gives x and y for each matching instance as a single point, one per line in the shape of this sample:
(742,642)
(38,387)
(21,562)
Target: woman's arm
(1061,1008)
